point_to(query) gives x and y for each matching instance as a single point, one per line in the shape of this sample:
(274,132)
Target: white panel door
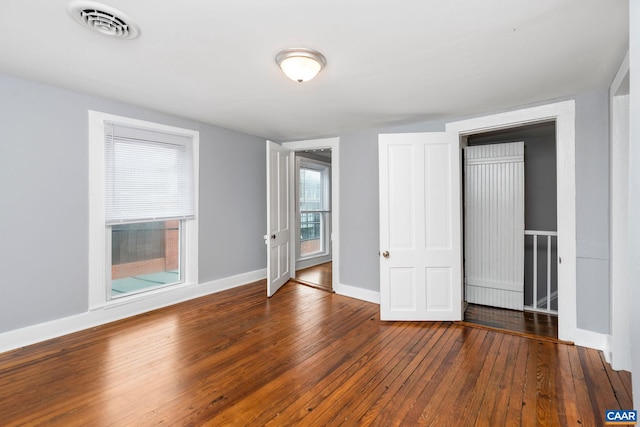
(420,227)
(494,225)
(278,238)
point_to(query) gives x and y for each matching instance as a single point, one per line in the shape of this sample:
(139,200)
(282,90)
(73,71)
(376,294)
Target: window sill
(141,296)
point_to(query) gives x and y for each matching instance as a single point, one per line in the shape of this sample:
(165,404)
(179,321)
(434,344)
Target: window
(143,207)
(144,255)
(313,208)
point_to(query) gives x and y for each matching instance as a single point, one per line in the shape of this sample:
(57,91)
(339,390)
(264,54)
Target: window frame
(100,232)
(325,169)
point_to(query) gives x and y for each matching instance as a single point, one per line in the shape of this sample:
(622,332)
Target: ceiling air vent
(103,19)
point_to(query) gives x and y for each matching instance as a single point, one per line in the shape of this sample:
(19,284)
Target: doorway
(563,113)
(323,272)
(313,218)
(420,216)
(535,311)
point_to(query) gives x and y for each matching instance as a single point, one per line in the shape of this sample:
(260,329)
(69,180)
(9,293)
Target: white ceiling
(387,61)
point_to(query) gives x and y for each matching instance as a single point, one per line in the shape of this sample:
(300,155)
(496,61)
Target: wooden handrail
(540,233)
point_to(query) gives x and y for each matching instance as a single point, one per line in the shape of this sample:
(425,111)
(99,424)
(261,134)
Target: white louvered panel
(494,225)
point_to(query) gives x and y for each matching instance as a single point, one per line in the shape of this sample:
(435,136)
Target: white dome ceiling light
(103,19)
(300,64)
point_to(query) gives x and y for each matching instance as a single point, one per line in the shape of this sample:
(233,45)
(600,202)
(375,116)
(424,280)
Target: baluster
(549,272)
(535,271)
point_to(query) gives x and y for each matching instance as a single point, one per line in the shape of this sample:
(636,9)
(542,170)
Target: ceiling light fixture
(300,64)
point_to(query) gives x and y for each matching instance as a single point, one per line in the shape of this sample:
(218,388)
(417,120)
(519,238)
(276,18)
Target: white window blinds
(149,174)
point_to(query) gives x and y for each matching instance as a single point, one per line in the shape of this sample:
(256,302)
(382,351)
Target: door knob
(273,237)
(385,254)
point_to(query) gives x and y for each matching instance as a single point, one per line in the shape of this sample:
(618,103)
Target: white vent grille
(103,19)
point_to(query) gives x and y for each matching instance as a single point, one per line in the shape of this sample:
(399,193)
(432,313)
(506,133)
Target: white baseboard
(121,309)
(593,340)
(608,355)
(357,293)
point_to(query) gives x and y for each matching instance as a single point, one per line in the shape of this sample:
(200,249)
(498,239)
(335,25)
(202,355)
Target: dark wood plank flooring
(302,357)
(521,322)
(318,276)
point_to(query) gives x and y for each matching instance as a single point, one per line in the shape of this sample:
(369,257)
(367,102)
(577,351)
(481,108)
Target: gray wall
(359,215)
(232,203)
(359,207)
(44,193)
(44,215)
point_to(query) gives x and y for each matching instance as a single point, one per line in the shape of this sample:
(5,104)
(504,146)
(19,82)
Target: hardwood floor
(302,357)
(521,322)
(318,276)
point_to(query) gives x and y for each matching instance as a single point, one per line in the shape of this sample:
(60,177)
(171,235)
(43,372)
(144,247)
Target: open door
(278,237)
(420,227)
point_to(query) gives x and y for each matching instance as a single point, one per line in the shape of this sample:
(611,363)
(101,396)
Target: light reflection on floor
(128,367)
